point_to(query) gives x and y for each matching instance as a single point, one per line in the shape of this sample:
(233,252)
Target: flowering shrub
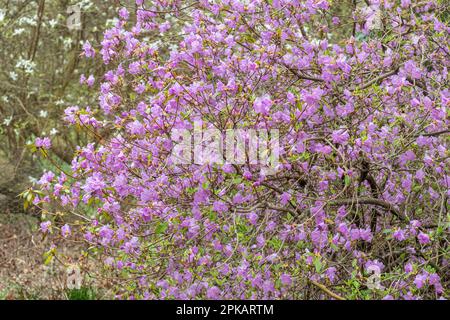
(362,182)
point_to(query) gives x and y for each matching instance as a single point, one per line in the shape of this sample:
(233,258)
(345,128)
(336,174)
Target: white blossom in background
(2,15)
(18,31)
(7,121)
(53,23)
(13,76)
(53,131)
(85,5)
(43,114)
(67,43)
(27,65)
(111,22)
(32,180)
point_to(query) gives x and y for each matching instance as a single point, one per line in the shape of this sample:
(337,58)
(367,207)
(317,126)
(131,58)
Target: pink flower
(423,238)
(263,104)
(89,51)
(45,226)
(331,273)
(220,206)
(340,136)
(252,218)
(399,235)
(286,279)
(65,231)
(44,143)
(90,81)
(405,3)
(420,280)
(124,14)
(285,197)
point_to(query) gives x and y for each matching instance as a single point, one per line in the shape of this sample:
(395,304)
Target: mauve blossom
(399,235)
(252,217)
(220,206)
(405,3)
(286,279)
(268,286)
(44,143)
(134,67)
(90,81)
(423,238)
(420,280)
(340,136)
(136,127)
(263,104)
(45,226)
(408,267)
(213,293)
(374,264)
(46,178)
(331,273)
(65,230)
(89,51)
(124,14)
(285,197)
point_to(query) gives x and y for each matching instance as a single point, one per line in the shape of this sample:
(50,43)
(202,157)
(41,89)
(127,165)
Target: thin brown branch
(370,201)
(327,291)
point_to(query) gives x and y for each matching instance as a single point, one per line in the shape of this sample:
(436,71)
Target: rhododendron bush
(355,207)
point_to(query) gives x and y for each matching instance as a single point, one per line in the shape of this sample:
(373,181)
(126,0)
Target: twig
(326,290)
(377,79)
(371,201)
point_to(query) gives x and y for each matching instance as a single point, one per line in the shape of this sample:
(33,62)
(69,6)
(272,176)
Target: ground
(23,274)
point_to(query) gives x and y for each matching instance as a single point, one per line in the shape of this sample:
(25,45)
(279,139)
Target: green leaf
(48,256)
(161,227)
(347,181)
(317,264)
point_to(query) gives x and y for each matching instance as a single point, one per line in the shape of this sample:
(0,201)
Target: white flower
(111,22)
(53,131)
(13,75)
(43,114)
(53,23)
(27,65)
(18,31)
(67,42)
(85,4)
(2,15)
(32,179)
(27,20)
(7,121)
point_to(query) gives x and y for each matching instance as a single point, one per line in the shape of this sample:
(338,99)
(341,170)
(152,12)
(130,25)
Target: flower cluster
(363,178)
